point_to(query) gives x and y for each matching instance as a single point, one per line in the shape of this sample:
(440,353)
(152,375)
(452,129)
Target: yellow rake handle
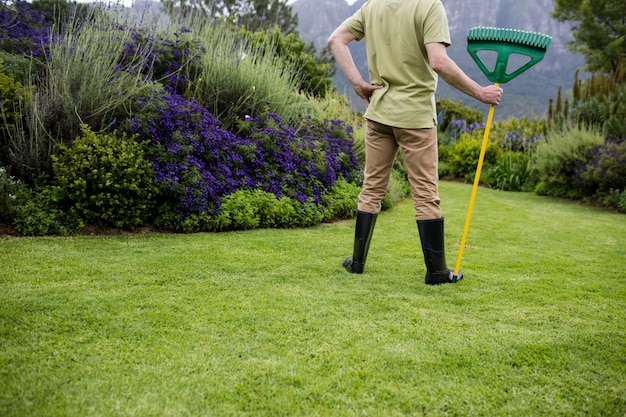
(468,217)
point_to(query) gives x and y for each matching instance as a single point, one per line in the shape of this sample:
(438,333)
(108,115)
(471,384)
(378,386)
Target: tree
(599,30)
(254,15)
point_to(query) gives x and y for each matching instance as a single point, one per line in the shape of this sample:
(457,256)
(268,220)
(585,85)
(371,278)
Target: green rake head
(506,42)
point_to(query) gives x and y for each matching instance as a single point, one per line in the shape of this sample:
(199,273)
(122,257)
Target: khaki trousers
(419,147)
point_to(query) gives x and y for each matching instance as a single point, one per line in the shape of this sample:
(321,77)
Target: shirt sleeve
(436,28)
(355,25)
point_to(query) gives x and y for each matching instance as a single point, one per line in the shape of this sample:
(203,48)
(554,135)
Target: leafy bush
(399,188)
(509,172)
(557,158)
(104,180)
(238,80)
(11,92)
(617,199)
(605,111)
(17,66)
(36,214)
(196,163)
(300,160)
(8,188)
(521,135)
(315,71)
(340,202)
(461,158)
(250,209)
(448,111)
(605,170)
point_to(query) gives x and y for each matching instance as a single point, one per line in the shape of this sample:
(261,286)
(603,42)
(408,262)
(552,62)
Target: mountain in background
(526,95)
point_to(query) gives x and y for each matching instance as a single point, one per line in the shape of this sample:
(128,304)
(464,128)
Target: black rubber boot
(362,236)
(431,236)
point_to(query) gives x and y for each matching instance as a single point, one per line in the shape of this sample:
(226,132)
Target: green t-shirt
(396,32)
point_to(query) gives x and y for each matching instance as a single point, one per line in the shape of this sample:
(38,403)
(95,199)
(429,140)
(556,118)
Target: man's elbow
(437,65)
(332,40)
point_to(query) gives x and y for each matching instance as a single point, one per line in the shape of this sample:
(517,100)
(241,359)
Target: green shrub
(604,111)
(606,168)
(10,96)
(341,201)
(448,111)
(461,158)
(35,214)
(556,160)
(509,172)
(238,80)
(617,199)
(398,190)
(8,188)
(315,70)
(251,209)
(104,180)
(17,66)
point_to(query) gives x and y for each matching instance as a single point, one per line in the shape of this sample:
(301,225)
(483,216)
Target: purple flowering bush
(23,30)
(197,163)
(173,62)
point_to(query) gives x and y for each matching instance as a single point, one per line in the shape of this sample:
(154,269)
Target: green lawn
(267,322)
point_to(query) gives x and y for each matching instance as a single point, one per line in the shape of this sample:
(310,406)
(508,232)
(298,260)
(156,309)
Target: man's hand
(447,69)
(365,90)
(338,42)
(492,95)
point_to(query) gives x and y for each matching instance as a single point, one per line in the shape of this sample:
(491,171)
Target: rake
(505,43)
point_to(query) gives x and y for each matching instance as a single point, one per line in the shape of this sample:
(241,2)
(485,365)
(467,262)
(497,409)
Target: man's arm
(450,72)
(338,42)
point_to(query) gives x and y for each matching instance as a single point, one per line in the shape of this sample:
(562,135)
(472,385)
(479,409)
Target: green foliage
(597,101)
(448,111)
(104,180)
(251,209)
(398,190)
(35,214)
(605,110)
(314,71)
(605,170)
(617,199)
(17,66)
(238,81)
(8,188)
(461,157)
(509,172)
(598,28)
(557,158)
(10,93)
(90,78)
(341,200)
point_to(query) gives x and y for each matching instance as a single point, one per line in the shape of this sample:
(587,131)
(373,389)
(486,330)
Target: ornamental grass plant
(266,322)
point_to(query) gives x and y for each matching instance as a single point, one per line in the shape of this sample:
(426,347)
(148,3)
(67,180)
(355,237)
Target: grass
(267,323)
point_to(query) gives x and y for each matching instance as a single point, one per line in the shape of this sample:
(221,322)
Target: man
(406,43)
